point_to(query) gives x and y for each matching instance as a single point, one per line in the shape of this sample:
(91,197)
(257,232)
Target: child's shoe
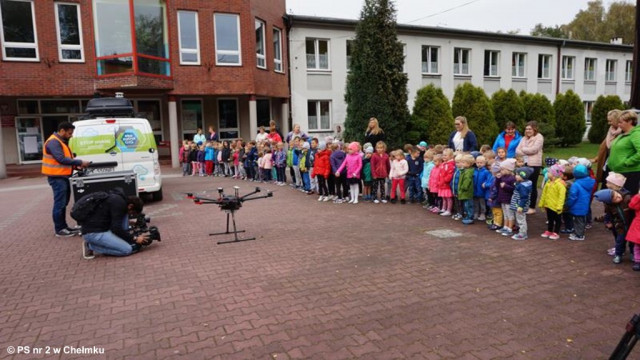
(506,232)
(325,199)
(617,259)
(376,201)
(481,218)
(566,231)
(501,229)
(588,226)
(575,237)
(554,236)
(519,237)
(636,267)
(393,201)
(446,213)
(467,221)
(384,201)
(403,201)
(435,210)
(320,198)
(494,227)
(546,234)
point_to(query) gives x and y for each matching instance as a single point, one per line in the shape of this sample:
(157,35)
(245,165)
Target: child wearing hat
(367,178)
(353,165)
(520,200)
(579,199)
(617,218)
(506,184)
(552,200)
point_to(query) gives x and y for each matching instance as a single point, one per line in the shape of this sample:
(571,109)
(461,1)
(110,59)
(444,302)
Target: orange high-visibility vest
(50,166)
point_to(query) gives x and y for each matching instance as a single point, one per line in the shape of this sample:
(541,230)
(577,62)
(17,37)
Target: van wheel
(157,196)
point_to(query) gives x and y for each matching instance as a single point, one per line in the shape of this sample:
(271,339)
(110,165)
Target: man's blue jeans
(108,243)
(61,195)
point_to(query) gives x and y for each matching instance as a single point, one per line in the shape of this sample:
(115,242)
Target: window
(628,71)
(590,69)
(518,63)
(349,53)
(228,119)
(18,36)
(227,37)
(317,54)
(461,61)
(319,115)
(191,111)
(263,110)
(116,29)
(491,58)
(429,59)
(188,37)
(150,110)
(277,50)
(544,66)
(69,29)
(588,109)
(261,60)
(610,74)
(567,67)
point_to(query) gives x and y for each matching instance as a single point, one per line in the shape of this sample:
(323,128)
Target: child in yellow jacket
(552,199)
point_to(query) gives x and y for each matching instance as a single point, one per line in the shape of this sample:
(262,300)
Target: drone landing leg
(234,232)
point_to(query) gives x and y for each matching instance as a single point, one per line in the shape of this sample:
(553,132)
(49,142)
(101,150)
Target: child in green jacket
(465,188)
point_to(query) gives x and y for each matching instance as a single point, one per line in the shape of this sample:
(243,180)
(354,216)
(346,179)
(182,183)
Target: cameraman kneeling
(106,231)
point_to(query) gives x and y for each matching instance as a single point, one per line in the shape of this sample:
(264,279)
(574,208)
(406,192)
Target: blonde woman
(462,139)
(613,118)
(374,133)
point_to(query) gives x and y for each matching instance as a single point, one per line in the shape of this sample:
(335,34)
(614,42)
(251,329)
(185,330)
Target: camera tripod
(629,339)
(230,204)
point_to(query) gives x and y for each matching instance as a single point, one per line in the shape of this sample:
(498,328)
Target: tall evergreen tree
(431,119)
(569,118)
(507,106)
(376,84)
(538,108)
(472,102)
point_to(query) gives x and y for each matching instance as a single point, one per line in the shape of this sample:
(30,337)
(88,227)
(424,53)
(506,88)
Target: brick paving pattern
(322,281)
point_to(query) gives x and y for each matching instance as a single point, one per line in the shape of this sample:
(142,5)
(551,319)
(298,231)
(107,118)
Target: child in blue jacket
(480,189)
(579,199)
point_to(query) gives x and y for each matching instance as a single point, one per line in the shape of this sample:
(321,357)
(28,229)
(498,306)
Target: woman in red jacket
(321,170)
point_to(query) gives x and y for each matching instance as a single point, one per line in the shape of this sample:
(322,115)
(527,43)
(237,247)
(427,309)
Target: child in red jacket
(380,167)
(633,234)
(447,169)
(321,170)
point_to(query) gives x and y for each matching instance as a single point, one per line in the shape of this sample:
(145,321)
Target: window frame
(62,47)
(190,132)
(227,52)
(318,106)
(278,64)
(593,62)
(491,54)
(544,59)
(565,70)
(516,68)
(628,71)
(429,60)
(136,106)
(611,74)
(459,52)
(21,45)
(316,48)
(182,50)
(223,130)
(261,57)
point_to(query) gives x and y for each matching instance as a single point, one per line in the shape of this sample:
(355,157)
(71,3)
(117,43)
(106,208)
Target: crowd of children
(481,186)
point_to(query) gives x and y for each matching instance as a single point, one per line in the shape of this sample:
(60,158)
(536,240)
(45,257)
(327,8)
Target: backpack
(87,205)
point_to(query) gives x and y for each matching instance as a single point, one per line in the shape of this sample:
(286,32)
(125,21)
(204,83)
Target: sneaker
(494,227)
(546,234)
(501,229)
(393,201)
(617,259)
(481,218)
(554,236)
(456,217)
(575,237)
(326,198)
(383,201)
(403,201)
(519,237)
(435,210)
(467,221)
(376,201)
(87,253)
(74,228)
(636,267)
(446,213)
(320,198)
(66,233)
(337,201)
(611,251)
(506,232)
(588,226)
(566,231)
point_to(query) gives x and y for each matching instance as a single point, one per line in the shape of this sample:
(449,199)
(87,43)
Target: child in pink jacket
(353,163)
(399,169)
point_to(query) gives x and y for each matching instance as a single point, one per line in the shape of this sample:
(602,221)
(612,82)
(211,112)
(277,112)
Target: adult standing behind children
(199,138)
(57,165)
(508,139)
(374,133)
(296,132)
(462,139)
(213,136)
(530,148)
(613,118)
(625,151)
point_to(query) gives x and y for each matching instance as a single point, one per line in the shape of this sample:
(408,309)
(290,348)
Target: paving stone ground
(322,281)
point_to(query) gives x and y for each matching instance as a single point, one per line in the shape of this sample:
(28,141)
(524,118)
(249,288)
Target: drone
(230,204)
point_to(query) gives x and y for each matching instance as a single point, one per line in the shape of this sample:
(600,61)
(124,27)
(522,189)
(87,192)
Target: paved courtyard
(322,281)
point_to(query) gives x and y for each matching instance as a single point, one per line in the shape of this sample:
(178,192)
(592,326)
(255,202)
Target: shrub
(507,106)
(599,123)
(472,102)
(569,112)
(431,118)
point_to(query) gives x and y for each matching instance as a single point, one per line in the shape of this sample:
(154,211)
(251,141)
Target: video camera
(140,226)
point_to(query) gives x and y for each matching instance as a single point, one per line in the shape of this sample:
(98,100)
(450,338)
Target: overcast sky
(483,15)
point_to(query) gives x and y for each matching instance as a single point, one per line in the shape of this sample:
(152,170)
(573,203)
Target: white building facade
(319,56)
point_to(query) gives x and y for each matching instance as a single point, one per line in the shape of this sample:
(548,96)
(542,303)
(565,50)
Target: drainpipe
(288,23)
(559,65)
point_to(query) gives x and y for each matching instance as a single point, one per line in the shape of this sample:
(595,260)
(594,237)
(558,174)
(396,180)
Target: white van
(108,137)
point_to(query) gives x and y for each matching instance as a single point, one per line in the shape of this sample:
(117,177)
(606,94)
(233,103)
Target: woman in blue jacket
(508,139)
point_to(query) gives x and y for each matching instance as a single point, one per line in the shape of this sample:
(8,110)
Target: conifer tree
(507,106)
(472,102)
(376,84)
(431,119)
(599,123)
(570,124)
